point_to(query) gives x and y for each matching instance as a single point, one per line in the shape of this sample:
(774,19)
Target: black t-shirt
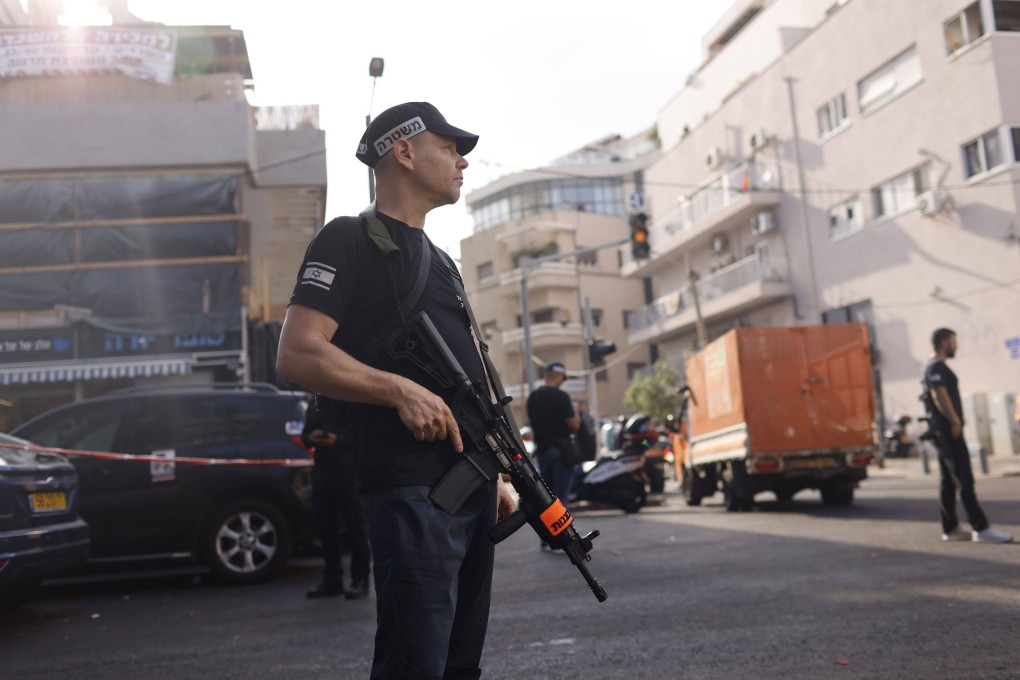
(938,374)
(548,410)
(344,275)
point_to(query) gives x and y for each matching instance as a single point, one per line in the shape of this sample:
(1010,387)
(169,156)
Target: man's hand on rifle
(505,501)
(427,416)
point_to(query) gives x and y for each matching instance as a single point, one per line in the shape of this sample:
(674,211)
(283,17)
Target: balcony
(545,335)
(728,202)
(744,285)
(540,276)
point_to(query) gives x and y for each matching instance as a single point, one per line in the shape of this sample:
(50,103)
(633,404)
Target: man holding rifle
(432,568)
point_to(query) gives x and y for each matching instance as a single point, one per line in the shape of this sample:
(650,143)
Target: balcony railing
(543,274)
(546,334)
(743,179)
(753,269)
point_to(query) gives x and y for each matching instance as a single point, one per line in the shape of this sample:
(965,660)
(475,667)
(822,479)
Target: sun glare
(84,13)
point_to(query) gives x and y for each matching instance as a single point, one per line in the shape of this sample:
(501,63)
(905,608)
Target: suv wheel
(247,541)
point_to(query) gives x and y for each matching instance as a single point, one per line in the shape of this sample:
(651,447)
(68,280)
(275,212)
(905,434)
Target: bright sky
(535,79)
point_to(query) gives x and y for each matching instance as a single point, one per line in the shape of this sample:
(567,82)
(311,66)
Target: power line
(944,297)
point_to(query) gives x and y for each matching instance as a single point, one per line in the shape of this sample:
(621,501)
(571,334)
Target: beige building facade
(151,223)
(562,214)
(848,161)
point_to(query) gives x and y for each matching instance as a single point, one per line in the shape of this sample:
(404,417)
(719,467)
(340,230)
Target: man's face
(557,378)
(439,167)
(950,346)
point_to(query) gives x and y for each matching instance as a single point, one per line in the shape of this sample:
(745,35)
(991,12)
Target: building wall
(498,303)
(956,268)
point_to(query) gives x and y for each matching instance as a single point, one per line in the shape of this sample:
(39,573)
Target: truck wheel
(736,489)
(691,488)
(837,493)
(246,541)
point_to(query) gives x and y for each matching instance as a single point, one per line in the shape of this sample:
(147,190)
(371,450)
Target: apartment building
(577,203)
(151,219)
(848,161)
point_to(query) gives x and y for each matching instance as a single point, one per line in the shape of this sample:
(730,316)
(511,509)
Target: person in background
(945,409)
(336,506)
(553,421)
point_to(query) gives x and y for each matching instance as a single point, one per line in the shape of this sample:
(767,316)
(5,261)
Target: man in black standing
(553,421)
(944,406)
(335,503)
(432,569)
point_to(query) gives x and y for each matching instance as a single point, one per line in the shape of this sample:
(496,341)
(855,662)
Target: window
(964,28)
(1015,134)
(845,218)
(983,154)
(542,316)
(602,376)
(587,257)
(889,81)
(597,318)
(832,116)
(626,318)
(484,271)
(634,369)
(181,424)
(87,428)
(1007,15)
(900,193)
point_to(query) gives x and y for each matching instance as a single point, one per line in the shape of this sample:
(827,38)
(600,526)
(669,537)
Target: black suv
(241,520)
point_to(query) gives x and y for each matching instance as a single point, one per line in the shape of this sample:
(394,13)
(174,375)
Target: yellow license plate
(48,502)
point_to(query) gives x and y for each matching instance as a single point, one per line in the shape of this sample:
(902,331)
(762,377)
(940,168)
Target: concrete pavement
(913,468)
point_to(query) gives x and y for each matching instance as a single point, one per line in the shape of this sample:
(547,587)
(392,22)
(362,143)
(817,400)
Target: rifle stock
(485,428)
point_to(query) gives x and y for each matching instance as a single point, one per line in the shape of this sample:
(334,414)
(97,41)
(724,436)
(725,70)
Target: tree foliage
(654,395)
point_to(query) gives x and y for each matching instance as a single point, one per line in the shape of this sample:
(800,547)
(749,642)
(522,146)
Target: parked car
(242,521)
(40,530)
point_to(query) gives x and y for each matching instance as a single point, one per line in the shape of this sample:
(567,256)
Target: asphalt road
(791,591)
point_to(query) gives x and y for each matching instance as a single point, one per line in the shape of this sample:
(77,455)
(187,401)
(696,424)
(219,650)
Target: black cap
(404,121)
(556,366)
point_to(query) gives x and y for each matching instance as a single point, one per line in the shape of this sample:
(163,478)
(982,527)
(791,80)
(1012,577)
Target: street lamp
(375,69)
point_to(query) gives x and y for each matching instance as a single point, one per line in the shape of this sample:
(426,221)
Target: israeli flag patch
(318,274)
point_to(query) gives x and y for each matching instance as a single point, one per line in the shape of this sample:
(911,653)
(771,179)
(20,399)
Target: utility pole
(589,369)
(699,321)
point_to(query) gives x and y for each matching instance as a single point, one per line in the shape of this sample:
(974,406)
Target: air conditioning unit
(763,223)
(720,243)
(928,203)
(757,140)
(713,159)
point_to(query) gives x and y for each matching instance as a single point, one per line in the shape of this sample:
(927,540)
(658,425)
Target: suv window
(179,423)
(258,417)
(89,428)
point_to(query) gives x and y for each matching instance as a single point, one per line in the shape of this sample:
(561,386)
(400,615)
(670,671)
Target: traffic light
(598,349)
(639,247)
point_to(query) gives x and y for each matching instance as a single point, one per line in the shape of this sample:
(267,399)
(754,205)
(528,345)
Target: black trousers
(954,465)
(336,507)
(433,581)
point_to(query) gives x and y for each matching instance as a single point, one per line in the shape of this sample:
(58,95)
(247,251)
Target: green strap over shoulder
(377,231)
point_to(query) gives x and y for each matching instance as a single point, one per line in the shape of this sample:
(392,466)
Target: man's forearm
(945,406)
(326,369)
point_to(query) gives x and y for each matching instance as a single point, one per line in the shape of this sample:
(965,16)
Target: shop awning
(94,370)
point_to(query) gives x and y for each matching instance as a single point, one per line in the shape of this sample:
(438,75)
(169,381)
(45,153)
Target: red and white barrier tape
(285,462)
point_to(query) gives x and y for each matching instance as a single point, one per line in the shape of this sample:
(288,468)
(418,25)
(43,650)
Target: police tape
(167,457)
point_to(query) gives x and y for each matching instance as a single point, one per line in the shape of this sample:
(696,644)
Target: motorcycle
(896,441)
(618,479)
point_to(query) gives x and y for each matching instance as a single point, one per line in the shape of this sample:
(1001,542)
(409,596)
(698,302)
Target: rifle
(492,447)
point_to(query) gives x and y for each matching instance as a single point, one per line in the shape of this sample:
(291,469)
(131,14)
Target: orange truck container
(781,410)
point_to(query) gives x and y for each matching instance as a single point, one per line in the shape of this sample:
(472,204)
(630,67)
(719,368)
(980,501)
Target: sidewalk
(998,466)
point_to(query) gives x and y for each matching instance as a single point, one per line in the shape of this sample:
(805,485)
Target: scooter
(618,479)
